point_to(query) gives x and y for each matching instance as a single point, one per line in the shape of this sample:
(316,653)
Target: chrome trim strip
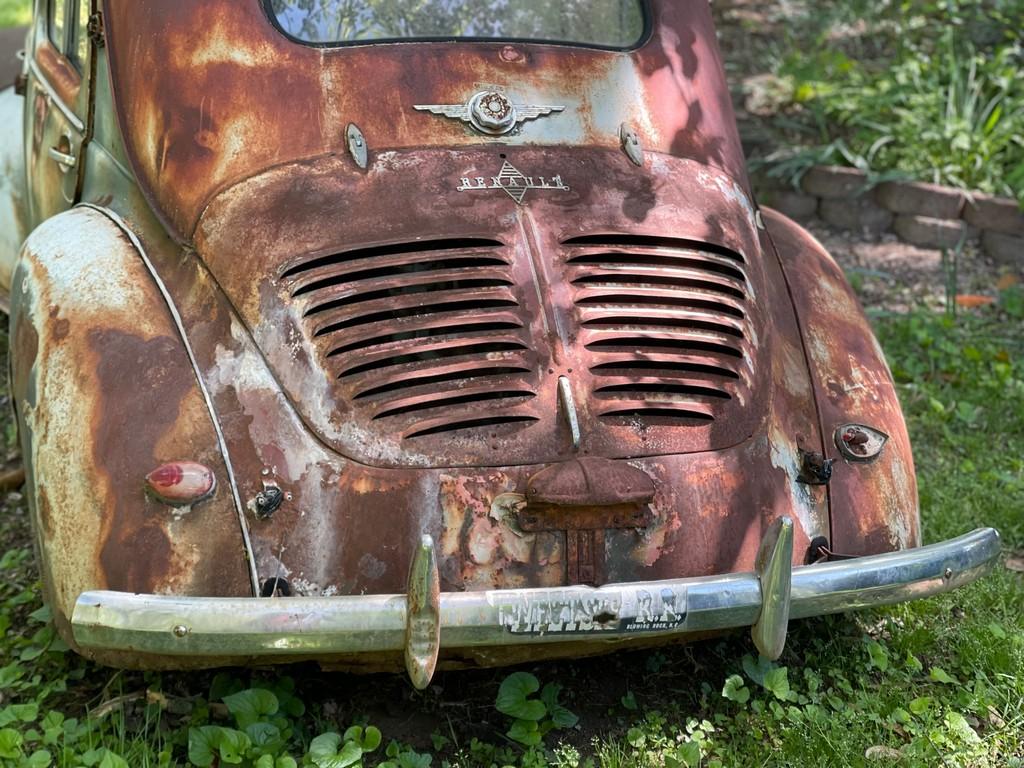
(70,116)
(221,442)
(225,628)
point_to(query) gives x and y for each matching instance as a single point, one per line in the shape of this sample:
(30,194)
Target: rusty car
(435,334)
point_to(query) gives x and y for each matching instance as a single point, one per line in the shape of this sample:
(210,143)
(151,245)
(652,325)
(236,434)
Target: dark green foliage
(925,89)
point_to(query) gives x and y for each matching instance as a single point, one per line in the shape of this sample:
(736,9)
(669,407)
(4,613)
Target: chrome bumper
(424,620)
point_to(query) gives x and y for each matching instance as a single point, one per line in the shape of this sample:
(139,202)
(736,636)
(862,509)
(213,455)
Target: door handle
(65,160)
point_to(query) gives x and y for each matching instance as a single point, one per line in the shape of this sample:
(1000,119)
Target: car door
(57,105)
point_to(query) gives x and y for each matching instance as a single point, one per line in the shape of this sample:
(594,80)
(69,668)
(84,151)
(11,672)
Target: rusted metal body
(572,353)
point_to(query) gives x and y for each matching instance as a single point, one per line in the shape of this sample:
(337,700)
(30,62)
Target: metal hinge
(95,29)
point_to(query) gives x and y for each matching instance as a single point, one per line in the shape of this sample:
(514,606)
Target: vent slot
(660,300)
(666,367)
(384,316)
(651,342)
(478,350)
(642,389)
(619,281)
(633,323)
(653,241)
(416,381)
(659,413)
(447,402)
(483,423)
(421,333)
(395,270)
(624,258)
(417,248)
(407,290)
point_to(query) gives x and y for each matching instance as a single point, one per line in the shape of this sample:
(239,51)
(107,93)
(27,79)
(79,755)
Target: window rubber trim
(645,35)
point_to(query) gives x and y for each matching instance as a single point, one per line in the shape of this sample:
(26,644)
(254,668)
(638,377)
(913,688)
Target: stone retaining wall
(927,215)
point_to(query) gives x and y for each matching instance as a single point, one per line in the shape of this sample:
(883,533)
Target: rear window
(602,23)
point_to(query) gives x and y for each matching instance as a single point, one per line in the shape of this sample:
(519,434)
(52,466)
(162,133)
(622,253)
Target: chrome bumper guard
(424,620)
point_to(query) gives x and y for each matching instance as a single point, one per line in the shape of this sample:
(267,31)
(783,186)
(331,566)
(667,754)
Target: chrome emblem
(512,181)
(490,112)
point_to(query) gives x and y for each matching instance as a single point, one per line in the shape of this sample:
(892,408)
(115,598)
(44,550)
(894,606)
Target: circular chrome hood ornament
(492,112)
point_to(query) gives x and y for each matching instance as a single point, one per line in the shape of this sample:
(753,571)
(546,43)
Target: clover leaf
(368,739)
(251,706)
(526,732)
(735,690)
(777,681)
(325,753)
(514,697)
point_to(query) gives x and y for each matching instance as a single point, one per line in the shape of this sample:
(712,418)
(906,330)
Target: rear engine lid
(499,308)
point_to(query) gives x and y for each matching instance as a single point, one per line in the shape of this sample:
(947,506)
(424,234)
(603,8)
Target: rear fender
(105,392)
(874,505)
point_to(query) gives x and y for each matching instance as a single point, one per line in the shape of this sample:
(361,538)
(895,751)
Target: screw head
(180,630)
(948,574)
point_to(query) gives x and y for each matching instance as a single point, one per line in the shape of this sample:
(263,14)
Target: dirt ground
(893,276)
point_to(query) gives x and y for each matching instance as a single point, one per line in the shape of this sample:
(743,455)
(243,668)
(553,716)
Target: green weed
(532,718)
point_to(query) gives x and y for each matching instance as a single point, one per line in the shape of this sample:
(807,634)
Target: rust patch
(104,389)
(59,326)
(481,535)
(44,511)
(559,518)
(142,382)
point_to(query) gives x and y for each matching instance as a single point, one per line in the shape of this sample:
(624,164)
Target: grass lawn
(935,682)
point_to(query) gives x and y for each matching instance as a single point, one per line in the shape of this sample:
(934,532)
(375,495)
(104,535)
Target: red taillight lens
(180,483)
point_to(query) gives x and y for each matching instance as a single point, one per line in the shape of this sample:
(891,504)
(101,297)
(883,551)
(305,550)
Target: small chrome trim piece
(569,409)
(180,325)
(281,628)
(69,115)
(357,145)
(65,160)
(630,142)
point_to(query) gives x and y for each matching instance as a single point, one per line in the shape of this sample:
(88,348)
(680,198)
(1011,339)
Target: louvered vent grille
(424,338)
(666,324)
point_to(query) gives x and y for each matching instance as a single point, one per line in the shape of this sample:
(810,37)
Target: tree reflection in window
(612,23)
